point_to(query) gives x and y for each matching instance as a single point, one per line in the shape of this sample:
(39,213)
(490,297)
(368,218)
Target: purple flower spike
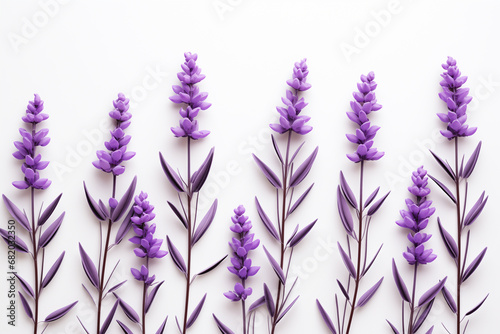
(364,103)
(241,264)
(290,118)
(456,99)
(189,94)
(27,147)
(111,161)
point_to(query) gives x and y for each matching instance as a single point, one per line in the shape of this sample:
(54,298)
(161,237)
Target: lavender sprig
(193,101)
(241,265)
(364,103)
(290,121)
(40,239)
(416,219)
(457,98)
(111,162)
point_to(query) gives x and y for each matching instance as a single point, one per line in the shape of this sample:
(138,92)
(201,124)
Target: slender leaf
(205,223)
(476,210)
(431,293)
(270,175)
(83,326)
(449,299)
(344,212)
(300,199)
(430,330)
(276,267)
(89,267)
(448,240)
(129,311)
(445,165)
(25,285)
(471,163)
(365,270)
(19,244)
(223,328)
(276,149)
(151,296)
(394,329)
(344,291)
(178,214)
(50,232)
(475,308)
(172,176)
(26,306)
(400,284)
(256,304)
(176,256)
(124,328)
(267,222)
(124,227)
(369,294)
(326,318)
(269,300)
(96,209)
(200,176)
(48,211)
(18,215)
(443,188)
(116,287)
(474,264)
(296,152)
(293,234)
(346,190)
(53,270)
(212,267)
(420,320)
(57,314)
(109,318)
(301,234)
(303,169)
(196,312)
(375,206)
(347,261)
(370,198)
(124,201)
(162,326)
(285,311)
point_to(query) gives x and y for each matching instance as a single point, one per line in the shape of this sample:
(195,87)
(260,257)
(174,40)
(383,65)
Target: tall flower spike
(111,161)
(457,98)
(188,94)
(290,118)
(364,103)
(26,149)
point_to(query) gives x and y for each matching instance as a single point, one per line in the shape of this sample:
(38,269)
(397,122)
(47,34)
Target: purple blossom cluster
(416,219)
(189,95)
(364,103)
(149,247)
(110,162)
(241,263)
(290,118)
(27,147)
(457,98)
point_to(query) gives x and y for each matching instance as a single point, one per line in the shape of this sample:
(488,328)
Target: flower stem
(282,236)
(459,234)
(360,231)
(35,259)
(412,305)
(243,310)
(144,290)
(189,224)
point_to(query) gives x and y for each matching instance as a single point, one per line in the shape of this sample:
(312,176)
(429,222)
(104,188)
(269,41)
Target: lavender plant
(193,101)
(148,248)
(364,103)
(241,266)
(457,98)
(39,239)
(416,219)
(291,121)
(110,162)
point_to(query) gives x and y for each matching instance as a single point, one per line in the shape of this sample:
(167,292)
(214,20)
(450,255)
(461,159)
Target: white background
(79,55)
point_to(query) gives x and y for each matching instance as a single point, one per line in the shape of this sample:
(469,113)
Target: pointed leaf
(400,284)
(476,210)
(346,190)
(89,267)
(178,326)
(176,256)
(369,294)
(109,318)
(25,285)
(469,167)
(423,315)
(200,176)
(129,311)
(375,206)
(431,293)
(267,222)
(445,165)
(449,299)
(96,209)
(83,326)
(476,307)
(276,267)
(116,287)
(269,300)
(51,231)
(205,223)
(370,198)
(48,211)
(26,306)
(276,149)
(124,202)
(53,270)
(17,214)
(162,326)
(448,240)
(365,270)
(296,152)
(178,214)
(270,175)
(124,227)
(60,312)
(344,212)
(256,304)
(344,291)
(196,312)
(300,199)
(474,264)
(430,330)
(301,234)
(287,309)
(172,176)
(19,244)
(223,328)
(124,328)
(151,296)
(347,261)
(303,169)
(326,318)
(212,267)
(394,329)
(443,188)
(293,234)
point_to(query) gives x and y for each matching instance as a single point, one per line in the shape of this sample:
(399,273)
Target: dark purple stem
(412,302)
(189,224)
(243,310)
(360,231)
(35,248)
(459,234)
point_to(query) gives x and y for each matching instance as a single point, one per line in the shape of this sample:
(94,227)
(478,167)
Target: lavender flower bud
(289,115)
(364,103)
(457,99)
